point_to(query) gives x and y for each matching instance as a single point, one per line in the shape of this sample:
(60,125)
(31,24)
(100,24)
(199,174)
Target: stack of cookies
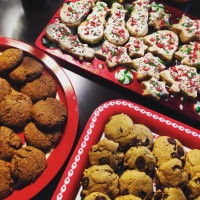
(129,164)
(31,119)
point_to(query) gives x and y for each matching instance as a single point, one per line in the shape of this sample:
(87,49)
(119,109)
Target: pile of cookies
(31,119)
(140,37)
(130,163)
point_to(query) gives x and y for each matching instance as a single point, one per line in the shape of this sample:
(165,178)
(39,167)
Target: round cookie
(194,186)
(192,162)
(15,110)
(97,196)
(140,159)
(5,88)
(105,152)
(120,128)
(40,88)
(41,139)
(142,136)
(9,143)
(100,178)
(28,70)
(49,113)
(169,194)
(6,179)
(128,197)
(136,183)
(27,164)
(171,174)
(9,59)
(166,148)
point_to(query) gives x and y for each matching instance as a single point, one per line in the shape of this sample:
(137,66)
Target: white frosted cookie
(163,43)
(72,45)
(72,13)
(56,30)
(182,78)
(189,54)
(158,19)
(148,66)
(154,88)
(114,55)
(187,29)
(115,31)
(136,47)
(91,30)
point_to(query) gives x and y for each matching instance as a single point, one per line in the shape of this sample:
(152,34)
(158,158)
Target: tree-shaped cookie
(136,47)
(72,13)
(182,78)
(148,66)
(115,31)
(189,54)
(113,55)
(137,24)
(91,30)
(154,88)
(163,43)
(158,19)
(187,29)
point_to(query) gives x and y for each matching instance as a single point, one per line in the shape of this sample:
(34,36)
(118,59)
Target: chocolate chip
(104,161)
(140,162)
(176,167)
(175,155)
(142,194)
(158,196)
(146,142)
(180,151)
(171,141)
(125,192)
(197,181)
(85,182)
(100,198)
(121,129)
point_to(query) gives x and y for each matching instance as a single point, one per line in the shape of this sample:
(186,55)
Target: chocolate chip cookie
(105,152)
(9,143)
(100,178)
(136,183)
(28,70)
(120,129)
(97,196)
(166,148)
(194,186)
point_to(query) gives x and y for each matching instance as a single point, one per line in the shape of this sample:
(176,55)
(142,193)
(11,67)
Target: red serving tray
(99,68)
(160,124)
(66,94)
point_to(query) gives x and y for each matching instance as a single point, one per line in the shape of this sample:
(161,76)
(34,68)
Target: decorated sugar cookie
(57,30)
(187,29)
(114,55)
(91,30)
(137,24)
(154,88)
(72,13)
(182,78)
(148,66)
(115,31)
(163,43)
(189,54)
(158,19)
(136,47)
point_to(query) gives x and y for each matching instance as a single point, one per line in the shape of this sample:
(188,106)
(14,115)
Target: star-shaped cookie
(114,55)
(148,66)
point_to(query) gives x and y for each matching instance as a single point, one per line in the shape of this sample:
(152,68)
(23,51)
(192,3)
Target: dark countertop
(25,19)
